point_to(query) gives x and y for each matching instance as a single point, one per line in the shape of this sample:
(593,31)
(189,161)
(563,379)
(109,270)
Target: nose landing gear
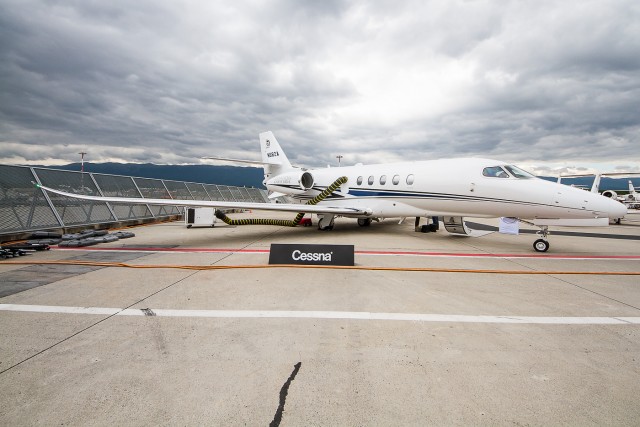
(542,245)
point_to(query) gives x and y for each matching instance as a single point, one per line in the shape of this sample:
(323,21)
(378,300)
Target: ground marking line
(341,315)
(363,252)
(325,267)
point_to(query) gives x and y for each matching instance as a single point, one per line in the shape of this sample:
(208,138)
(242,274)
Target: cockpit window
(495,172)
(519,173)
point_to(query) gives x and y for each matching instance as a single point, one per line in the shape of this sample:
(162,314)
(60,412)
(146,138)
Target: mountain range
(204,174)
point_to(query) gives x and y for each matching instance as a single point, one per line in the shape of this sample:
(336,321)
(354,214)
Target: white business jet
(448,188)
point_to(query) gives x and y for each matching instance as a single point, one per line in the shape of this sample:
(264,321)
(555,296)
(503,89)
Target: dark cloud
(537,82)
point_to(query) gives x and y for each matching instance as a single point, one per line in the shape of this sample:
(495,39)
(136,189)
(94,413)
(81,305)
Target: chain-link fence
(23,207)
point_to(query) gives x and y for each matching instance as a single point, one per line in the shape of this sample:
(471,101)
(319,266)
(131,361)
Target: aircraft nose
(615,209)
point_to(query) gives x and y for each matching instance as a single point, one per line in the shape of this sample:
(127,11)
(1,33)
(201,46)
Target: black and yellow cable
(283,222)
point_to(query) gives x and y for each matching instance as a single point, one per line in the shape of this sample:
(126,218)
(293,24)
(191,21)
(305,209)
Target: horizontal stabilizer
(275,195)
(225,159)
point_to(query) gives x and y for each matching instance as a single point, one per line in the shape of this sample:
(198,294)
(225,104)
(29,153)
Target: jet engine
(610,194)
(296,182)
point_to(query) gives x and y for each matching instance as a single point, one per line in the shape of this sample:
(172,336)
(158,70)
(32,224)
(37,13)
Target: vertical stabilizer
(596,184)
(274,159)
(632,190)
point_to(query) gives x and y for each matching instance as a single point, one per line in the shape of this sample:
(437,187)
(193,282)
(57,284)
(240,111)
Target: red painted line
(484,255)
(152,249)
(381,253)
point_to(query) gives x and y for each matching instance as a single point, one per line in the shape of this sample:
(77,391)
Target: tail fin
(274,159)
(632,190)
(595,188)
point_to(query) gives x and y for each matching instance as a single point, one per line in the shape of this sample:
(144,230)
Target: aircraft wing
(282,207)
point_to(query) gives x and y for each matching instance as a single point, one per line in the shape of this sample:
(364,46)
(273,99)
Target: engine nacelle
(296,182)
(610,194)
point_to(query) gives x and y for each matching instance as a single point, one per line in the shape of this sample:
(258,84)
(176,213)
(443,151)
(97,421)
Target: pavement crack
(277,418)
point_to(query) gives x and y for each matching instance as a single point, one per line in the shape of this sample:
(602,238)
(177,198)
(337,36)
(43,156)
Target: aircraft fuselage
(454,187)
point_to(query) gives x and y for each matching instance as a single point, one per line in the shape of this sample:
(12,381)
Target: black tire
(327,228)
(364,222)
(541,245)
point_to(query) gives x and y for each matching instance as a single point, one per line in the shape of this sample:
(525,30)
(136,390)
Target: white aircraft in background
(448,188)
(631,200)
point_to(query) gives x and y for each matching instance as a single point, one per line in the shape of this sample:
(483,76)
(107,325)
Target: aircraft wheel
(325,223)
(364,222)
(541,245)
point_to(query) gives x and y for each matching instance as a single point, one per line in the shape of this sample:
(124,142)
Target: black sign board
(311,254)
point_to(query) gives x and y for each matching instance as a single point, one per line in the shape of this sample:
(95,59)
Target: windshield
(519,173)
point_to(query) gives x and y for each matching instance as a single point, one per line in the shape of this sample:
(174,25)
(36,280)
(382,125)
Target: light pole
(82,153)
(339,157)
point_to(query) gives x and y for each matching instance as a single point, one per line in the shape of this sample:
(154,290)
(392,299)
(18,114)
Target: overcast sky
(544,84)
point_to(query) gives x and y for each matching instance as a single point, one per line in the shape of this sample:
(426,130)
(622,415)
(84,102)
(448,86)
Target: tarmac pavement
(129,346)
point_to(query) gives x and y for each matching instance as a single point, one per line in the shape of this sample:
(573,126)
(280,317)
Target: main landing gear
(325,222)
(364,222)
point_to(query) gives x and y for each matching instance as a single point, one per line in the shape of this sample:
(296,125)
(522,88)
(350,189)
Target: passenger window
(359,181)
(371,179)
(396,179)
(495,172)
(383,179)
(410,179)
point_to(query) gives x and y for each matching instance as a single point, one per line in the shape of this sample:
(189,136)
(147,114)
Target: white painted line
(59,309)
(347,315)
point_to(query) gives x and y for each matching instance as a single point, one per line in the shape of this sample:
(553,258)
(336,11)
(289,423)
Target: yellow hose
(283,222)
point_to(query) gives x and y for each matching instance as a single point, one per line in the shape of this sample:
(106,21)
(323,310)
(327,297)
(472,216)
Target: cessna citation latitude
(448,188)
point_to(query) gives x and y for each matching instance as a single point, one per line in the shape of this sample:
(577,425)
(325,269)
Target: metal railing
(24,208)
